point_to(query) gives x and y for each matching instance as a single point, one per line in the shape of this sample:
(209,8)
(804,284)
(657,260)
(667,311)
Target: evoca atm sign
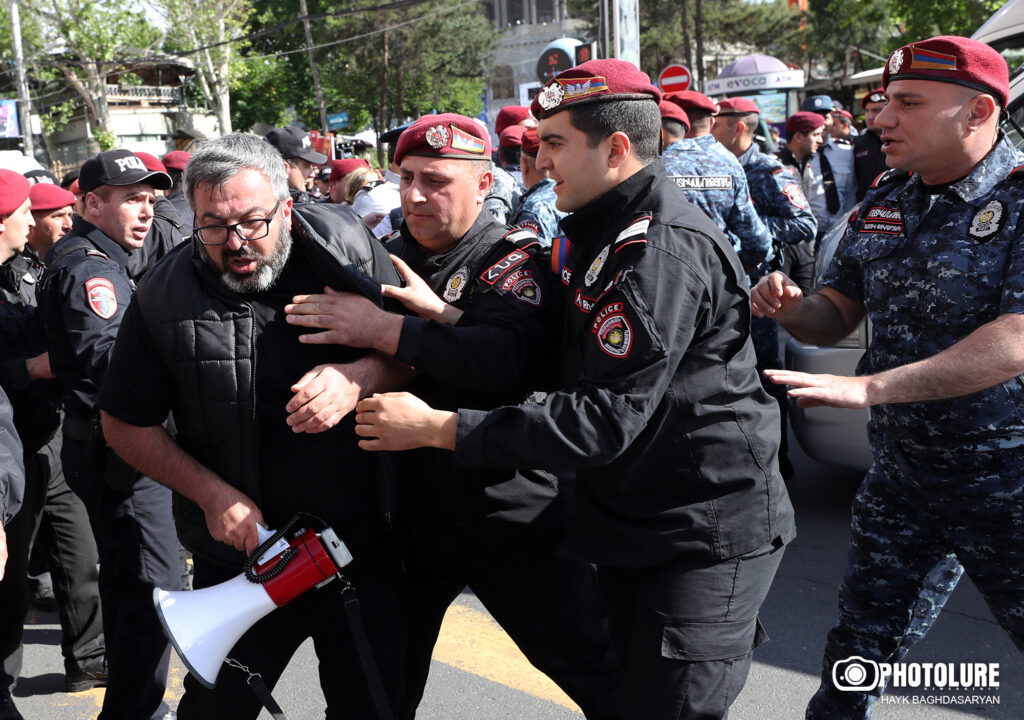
(762,81)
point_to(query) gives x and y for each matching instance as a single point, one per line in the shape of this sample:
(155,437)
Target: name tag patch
(883,220)
(703,182)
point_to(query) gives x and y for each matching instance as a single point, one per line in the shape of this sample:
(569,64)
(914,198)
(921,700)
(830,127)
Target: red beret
(511,137)
(876,95)
(510,115)
(46,196)
(176,159)
(692,100)
(951,59)
(151,162)
(14,189)
(594,81)
(846,114)
(737,106)
(671,111)
(75,190)
(531,143)
(445,136)
(803,121)
(341,168)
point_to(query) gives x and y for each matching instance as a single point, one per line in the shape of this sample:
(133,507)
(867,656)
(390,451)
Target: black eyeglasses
(246,230)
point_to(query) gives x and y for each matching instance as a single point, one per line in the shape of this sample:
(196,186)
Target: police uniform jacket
(12,468)
(494,354)
(36,403)
(205,336)
(929,270)
(718,186)
(868,161)
(537,212)
(778,198)
(662,414)
(82,296)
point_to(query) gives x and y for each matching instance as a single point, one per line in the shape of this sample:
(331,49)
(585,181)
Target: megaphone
(203,625)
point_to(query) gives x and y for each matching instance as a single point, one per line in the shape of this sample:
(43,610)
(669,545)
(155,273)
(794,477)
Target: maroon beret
(846,114)
(737,106)
(14,189)
(512,136)
(692,100)
(46,196)
(510,115)
(951,59)
(671,111)
(445,136)
(151,162)
(531,143)
(803,121)
(176,159)
(593,81)
(876,95)
(341,168)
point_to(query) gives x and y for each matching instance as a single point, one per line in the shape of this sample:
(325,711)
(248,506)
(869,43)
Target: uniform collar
(681,144)
(704,141)
(537,186)
(100,239)
(749,154)
(606,211)
(13,272)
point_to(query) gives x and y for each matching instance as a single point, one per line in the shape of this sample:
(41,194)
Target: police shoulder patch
(795,194)
(890,176)
(523,287)
(613,331)
(101,297)
(634,234)
(508,262)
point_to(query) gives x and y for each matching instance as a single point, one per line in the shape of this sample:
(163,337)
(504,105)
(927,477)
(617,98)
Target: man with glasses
(262,432)
(82,297)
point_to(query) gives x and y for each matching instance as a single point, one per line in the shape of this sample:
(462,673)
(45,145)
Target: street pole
(24,103)
(312,64)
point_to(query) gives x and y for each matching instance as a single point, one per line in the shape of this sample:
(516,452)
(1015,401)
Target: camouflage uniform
(537,212)
(504,197)
(947,475)
(714,181)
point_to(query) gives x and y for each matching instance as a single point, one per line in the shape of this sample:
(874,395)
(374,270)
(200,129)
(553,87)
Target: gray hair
(219,160)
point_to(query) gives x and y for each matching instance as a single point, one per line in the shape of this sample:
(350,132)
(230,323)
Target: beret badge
(437,137)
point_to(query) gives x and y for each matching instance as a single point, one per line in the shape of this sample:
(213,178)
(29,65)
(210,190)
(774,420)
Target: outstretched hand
(346,319)
(418,297)
(817,390)
(401,421)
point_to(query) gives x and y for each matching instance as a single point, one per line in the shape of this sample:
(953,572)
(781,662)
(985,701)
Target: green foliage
(56,116)
(106,140)
(922,19)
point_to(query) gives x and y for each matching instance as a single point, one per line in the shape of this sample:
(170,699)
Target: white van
(838,436)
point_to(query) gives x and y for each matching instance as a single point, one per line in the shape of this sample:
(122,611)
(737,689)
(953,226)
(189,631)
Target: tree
(99,38)
(922,19)
(203,29)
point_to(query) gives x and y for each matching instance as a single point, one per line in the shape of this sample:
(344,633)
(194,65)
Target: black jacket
(662,413)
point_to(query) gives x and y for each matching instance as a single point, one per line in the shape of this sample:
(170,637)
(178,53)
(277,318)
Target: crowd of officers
(538,375)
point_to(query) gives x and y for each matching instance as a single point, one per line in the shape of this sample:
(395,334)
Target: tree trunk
(685,26)
(698,26)
(382,112)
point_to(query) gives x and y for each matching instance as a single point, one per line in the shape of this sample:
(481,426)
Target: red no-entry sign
(674,78)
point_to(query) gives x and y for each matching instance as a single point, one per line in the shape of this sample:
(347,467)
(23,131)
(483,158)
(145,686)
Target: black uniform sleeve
(137,388)
(12,468)
(501,343)
(95,294)
(629,355)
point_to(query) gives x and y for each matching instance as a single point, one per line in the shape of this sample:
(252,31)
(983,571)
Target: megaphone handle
(263,535)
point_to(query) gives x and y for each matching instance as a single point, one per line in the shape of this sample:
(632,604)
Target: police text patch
(613,331)
(703,182)
(883,220)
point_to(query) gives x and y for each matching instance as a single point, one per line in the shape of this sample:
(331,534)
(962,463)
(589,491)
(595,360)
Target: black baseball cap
(292,142)
(119,167)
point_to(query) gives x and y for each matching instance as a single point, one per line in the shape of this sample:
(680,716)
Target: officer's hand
(774,296)
(231,518)
(401,421)
(347,319)
(3,551)
(38,367)
(816,390)
(418,297)
(323,396)
(372,220)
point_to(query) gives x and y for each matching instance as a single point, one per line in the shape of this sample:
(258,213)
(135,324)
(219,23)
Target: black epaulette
(1016,174)
(525,244)
(890,176)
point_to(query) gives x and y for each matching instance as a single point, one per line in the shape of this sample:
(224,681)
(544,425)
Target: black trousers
(138,550)
(72,558)
(318,614)
(550,607)
(687,631)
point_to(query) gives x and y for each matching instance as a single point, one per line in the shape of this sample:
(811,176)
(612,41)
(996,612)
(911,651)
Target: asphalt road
(478,673)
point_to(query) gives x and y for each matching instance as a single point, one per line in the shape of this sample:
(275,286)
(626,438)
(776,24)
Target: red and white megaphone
(205,624)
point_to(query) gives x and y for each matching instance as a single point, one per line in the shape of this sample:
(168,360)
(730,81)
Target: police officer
(780,203)
(833,163)
(868,158)
(537,211)
(25,376)
(167,230)
(296,147)
(934,258)
(506,191)
(497,530)
(710,176)
(804,137)
(174,162)
(82,297)
(679,500)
